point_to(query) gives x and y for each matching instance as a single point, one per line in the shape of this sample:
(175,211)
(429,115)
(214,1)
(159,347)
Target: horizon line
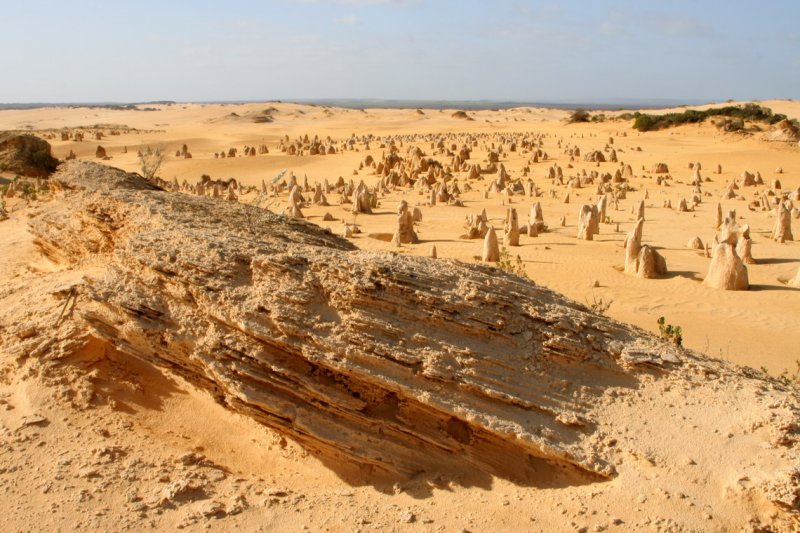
(605,104)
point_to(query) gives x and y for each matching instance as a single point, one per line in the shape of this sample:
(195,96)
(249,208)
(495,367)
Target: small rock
(88,473)
(33,420)
(191,458)
(110,453)
(213,509)
(26,331)
(180,489)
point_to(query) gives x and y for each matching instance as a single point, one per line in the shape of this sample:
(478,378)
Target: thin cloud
(678,25)
(631,23)
(347,20)
(617,23)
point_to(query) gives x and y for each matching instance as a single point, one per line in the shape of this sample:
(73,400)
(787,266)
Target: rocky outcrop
(727,270)
(659,168)
(783,131)
(536,218)
(405,234)
(491,247)
(744,246)
(595,156)
(511,228)
(640,259)
(695,243)
(782,230)
(588,222)
(26,155)
(400,364)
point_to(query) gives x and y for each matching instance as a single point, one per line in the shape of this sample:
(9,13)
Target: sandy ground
(154,418)
(756,328)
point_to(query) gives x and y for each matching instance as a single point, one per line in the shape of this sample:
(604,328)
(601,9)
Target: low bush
(751,112)
(670,332)
(579,115)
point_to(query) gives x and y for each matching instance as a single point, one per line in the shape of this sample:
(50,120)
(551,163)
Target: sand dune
(728,466)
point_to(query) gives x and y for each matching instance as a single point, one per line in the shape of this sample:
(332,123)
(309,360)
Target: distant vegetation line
(733,117)
(91,105)
(752,112)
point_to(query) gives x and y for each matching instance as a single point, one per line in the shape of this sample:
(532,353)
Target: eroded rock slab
(398,363)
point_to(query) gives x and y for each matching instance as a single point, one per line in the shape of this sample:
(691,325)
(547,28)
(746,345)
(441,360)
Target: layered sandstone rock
(397,363)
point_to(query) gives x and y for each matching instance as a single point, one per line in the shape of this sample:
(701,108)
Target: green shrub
(512,265)
(579,115)
(752,112)
(599,305)
(670,332)
(730,124)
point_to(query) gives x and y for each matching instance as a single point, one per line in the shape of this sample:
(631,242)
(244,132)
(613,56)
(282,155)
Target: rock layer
(399,364)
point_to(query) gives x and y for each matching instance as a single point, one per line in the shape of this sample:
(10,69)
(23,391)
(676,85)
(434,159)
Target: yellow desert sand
(321,318)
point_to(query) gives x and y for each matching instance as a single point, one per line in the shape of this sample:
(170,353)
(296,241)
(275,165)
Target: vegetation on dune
(786,377)
(599,305)
(670,332)
(510,264)
(583,116)
(735,117)
(579,115)
(150,162)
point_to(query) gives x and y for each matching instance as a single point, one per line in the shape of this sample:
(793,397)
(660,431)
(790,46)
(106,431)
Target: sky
(502,50)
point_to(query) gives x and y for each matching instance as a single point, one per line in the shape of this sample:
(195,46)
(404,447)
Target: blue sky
(86,50)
